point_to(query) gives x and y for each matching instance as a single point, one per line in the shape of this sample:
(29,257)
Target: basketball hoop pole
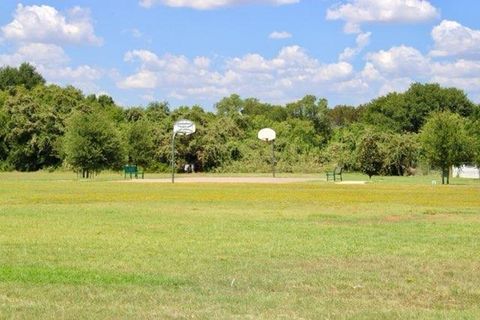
(273,158)
(173,157)
(183,127)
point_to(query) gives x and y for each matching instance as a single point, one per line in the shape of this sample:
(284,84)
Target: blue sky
(197,51)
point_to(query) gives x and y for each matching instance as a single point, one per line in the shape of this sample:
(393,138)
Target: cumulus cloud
(362,40)
(36,53)
(395,69)
(292,73)
(399,61)
(211,4)
(453,39)
(44,24)
(51,61)
(289,75)
(357,12)
(279,35)
(36,35)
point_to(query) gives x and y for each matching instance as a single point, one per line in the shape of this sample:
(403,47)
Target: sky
(197,51)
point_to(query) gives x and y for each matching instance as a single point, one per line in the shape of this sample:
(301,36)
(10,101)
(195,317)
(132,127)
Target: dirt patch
(351,182)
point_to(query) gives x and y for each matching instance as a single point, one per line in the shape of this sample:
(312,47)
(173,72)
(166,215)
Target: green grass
(396,248)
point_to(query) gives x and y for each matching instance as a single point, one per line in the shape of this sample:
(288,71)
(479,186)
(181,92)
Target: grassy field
(396,248)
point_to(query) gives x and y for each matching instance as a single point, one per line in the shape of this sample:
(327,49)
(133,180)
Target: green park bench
(335,174)
(132,171)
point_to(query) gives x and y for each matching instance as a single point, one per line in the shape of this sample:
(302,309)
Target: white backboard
(267,134)
(184,127)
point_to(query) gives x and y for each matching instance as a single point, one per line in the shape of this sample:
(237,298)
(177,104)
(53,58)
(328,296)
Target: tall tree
(315,110)
(92,143)
(33,129)
(445,142)
(408,111)
(25,75)
(369,154)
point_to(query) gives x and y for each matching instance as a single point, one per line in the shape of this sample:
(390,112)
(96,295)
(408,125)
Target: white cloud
(453,39)
(357,12)
(211,4)
(460,68)
(362,40)
(278,35)
(289,75)
(395,85)
(141,80)
(51,61)
(83,73)
(36,53)
(46,25)
(462,73)
(399,61)
(395,69)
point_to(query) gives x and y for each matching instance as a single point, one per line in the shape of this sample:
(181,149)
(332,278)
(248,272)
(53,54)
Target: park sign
(184,127)
(267,134)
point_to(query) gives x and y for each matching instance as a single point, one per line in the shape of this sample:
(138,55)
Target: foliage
(473,131)
(408,111)
(342,115)
(401,153)
(310,136)
(92,143)
(445,142)
(370,155)
(33,129)
(25,75)
(139,143)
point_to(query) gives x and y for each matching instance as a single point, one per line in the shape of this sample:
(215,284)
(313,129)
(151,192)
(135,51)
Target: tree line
(47,127)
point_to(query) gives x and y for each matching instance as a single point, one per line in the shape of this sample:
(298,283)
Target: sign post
(268,135)
(184,128)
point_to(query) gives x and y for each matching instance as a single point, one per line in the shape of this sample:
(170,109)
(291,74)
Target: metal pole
(173,158)
(273,157)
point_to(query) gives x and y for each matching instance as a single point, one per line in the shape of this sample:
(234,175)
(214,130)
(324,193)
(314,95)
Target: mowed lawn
(100,249)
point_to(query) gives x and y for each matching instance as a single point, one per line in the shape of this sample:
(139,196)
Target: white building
(464,171)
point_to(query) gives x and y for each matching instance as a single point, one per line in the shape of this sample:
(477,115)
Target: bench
(132,171)
(335,174)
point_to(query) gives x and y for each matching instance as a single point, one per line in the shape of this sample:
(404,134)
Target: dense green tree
(230,106)
(343,146)
(25,75)
(315,110)
(445,142)
(401,153)
(33,130)
(134,114)
(389,112)
(253,107)
(92,143)
(408,111)
(140,144)
(157,111)
(342,115)
(473,131)
(422,99)
(370,155)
